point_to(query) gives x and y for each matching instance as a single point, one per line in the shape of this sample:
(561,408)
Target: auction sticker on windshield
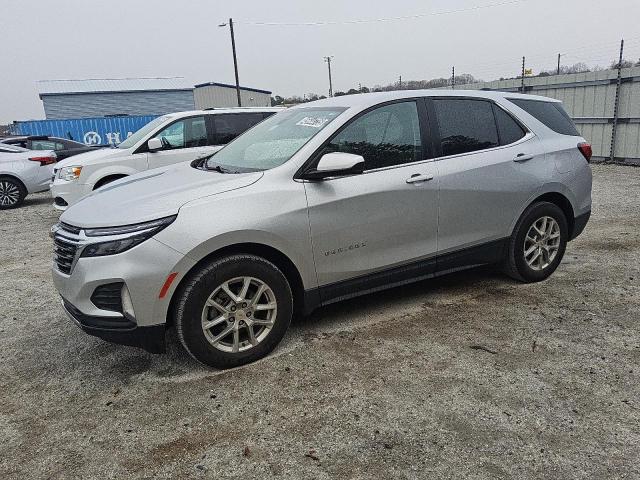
(314,122)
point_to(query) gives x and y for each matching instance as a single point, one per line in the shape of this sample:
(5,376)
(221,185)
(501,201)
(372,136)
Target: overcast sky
(71,39)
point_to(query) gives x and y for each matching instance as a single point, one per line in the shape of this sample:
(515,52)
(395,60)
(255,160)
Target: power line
(387,19)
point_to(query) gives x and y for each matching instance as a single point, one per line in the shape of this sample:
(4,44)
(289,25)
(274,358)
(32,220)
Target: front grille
(108,297)
(65,247)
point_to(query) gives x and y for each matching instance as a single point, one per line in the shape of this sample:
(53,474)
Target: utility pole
(400,82)
(453,78)
(328,60)
(235,59)
(559,55)
(522,84)
(359,87)
(616,105)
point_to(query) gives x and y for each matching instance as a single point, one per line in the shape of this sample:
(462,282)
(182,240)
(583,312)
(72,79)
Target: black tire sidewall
(196,294)
(517,245)
(23,193)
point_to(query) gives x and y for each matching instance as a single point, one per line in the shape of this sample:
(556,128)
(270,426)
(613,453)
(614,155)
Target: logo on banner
(92,138)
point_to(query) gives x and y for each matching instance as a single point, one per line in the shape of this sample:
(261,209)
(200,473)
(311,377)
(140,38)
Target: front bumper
(128,333)
(66,193)
(144,270)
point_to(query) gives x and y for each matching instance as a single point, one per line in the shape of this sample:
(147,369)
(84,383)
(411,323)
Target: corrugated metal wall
(215,96)
(589,99)
(88,105)
(92,131)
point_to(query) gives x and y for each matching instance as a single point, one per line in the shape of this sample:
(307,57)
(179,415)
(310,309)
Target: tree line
(462,79)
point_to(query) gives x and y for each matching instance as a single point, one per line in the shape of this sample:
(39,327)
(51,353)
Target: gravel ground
(466,376)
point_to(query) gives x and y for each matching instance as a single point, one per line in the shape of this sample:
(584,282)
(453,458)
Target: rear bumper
(579,223)
(123,332)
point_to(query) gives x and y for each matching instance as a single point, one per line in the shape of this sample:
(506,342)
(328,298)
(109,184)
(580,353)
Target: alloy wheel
(542,243)
(239,314)
(9,193)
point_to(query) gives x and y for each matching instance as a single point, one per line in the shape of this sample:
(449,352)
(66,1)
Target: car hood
(151,195)
(92,156)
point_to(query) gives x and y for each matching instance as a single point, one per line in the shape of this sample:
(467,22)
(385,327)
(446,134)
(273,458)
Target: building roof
(101,85)
(226,85)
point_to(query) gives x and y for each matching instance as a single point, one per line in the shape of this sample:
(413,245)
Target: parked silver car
(23,172)
(319,203)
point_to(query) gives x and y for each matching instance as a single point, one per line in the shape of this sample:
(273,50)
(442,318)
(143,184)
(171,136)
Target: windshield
(274,141)
(5,147)
(140,134)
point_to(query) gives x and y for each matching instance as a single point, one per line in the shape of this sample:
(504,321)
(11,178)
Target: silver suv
(320,203)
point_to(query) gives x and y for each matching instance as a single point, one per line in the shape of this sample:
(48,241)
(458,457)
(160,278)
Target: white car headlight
(70,173)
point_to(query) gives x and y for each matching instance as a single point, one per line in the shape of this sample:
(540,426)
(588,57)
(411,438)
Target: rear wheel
(12,193)
(235,310)
(538,243)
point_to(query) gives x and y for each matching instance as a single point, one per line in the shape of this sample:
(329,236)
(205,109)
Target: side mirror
(154,144)
(336,165)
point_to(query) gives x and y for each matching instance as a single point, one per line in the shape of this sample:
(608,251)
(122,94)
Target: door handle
(523,157)
(417,178)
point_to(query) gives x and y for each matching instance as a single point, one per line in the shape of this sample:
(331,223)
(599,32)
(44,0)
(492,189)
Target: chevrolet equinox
(319,203)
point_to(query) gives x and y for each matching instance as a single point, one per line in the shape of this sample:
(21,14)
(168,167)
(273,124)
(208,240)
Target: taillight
(585,149)
(48,160)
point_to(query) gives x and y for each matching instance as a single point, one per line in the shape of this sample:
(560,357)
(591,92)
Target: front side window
(274,141)
(186,133)
(143,132)
(465,125)
(228,126)
(386,136)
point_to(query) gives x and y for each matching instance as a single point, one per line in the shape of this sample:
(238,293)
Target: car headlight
(124,237)
(70,173)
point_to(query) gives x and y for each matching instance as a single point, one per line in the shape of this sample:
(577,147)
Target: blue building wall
(99,104)
(91,131)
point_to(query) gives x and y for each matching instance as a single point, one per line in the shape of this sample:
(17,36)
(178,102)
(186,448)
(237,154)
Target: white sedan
(23,172)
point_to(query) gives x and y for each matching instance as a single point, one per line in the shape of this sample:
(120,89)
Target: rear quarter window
(552,114)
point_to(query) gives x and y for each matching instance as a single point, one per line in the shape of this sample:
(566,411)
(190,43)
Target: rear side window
(465,125)
(550,113)
(229,126)
(508,129)
(43,145)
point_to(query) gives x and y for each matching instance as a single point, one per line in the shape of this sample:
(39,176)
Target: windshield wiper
(218,169)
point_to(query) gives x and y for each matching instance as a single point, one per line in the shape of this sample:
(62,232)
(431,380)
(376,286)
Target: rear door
(488,168)
(184,140)
(379,227)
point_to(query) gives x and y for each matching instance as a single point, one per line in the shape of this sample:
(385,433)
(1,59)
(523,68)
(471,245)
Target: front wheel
(12,193)
(235,310)
(538,243)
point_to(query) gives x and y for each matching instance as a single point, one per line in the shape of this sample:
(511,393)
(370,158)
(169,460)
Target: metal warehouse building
(212,95)
(110,97)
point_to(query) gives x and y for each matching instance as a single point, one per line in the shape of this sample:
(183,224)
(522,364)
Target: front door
(379,227)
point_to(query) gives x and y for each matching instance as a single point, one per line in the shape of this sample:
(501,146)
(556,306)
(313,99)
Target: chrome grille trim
(67,246)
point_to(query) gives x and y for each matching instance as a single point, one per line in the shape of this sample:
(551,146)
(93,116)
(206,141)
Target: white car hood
(93,156)
(151,195)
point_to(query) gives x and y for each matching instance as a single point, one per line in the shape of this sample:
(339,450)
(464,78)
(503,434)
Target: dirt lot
(391,385)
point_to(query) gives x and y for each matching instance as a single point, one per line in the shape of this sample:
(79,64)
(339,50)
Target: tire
(12,193)
(196,305)
(541,262)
